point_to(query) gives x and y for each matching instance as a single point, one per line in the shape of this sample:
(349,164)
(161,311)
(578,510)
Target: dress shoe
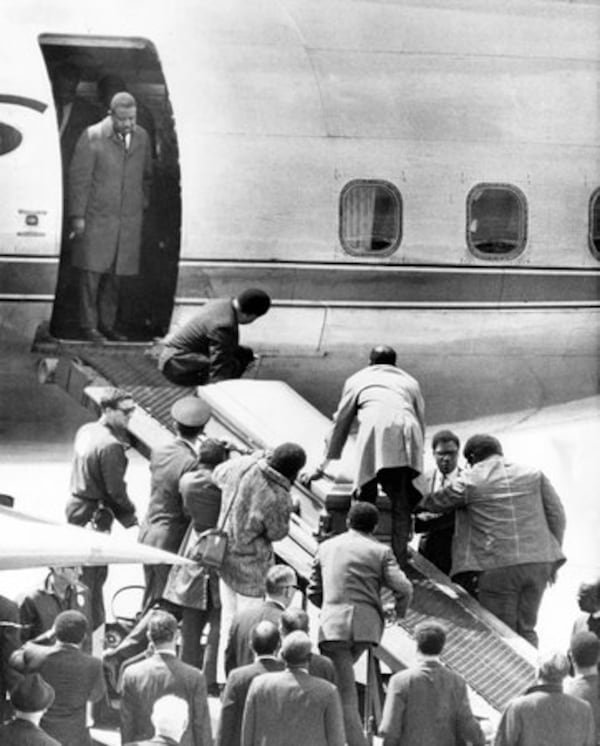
(114,336)
(92,335)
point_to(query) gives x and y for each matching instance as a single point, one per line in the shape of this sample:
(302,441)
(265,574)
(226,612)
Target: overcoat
(389,407)
(109,185)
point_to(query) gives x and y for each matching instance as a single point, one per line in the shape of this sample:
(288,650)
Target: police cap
(190,411)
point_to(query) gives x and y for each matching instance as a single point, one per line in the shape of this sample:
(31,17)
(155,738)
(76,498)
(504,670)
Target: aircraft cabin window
(594,235)
(496,221)
(10,138)
(370,218)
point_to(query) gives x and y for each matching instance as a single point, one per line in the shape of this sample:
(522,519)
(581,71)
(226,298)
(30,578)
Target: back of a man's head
(162,628)
(296,649)
(280,577)
(363,517)
(287,459)
(265,638)
(293,620)
(553,666)
(585,649)
(112,397)
(382,355)
(430,638)
(253,302)
(70,626)
(170,717)
(481,446)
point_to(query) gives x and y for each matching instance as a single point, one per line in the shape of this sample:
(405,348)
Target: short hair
(481,446)
(588,596)
(363,516)
(382,355)
(162,627)
(585,649)
(170,715)
(296,648)
(553,667)
(444,436)
(111,397)
(265,638)
(70,626)
(122,100)
(430,638)
(294,619)
(287,459)
(253,302)
(279,576)
(212,452)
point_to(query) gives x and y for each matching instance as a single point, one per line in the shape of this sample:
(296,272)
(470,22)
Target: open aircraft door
(30,178)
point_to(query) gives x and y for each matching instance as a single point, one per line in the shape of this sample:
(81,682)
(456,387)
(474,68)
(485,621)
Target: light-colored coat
(292,708)
(109,187)
(348,574)
(390,410)
(512,516)
(260,515)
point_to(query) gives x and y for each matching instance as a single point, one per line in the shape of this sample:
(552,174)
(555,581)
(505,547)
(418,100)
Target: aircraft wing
(28,541)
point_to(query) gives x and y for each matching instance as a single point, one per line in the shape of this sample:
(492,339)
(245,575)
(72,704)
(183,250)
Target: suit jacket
(348,574)
(322,667)
(544,715)
(511,516)
(152,678)
(292,708)
(77,679)
(234,698)
(238,651)
(19,732)
(109,187)
(391,421)
(428,705)
(213,333)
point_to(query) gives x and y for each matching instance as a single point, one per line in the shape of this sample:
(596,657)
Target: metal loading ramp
(496,663)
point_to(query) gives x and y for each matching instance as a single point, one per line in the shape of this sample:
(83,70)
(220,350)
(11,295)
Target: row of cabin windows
(371,215)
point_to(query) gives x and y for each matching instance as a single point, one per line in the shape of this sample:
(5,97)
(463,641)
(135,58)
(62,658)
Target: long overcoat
(109,185)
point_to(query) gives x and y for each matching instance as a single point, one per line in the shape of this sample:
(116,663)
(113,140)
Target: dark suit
(10,640)
(23,733)
(348,574)
(151,679)
(77,679)
(206,348)
(428,705)
(234,698)
(322,667)
(238,651)
(292,708)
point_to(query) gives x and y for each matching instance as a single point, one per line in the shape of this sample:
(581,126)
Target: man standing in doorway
(390,410)
(206,348)
(109,188)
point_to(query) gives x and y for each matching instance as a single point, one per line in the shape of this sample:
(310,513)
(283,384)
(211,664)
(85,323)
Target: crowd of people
(235,630)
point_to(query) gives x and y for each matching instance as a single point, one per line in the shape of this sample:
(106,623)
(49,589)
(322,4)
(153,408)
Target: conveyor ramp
(497,664)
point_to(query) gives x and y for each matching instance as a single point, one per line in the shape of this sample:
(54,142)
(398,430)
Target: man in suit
(166,520)
(291,706)
(281,584)
(170,717)
(427,704)
(545,714)
(75,676)
(584,652)
(389,407)
(10,640)
(436,529)
(160,674)
(294,620)
(509,530)
(109,188)
(348,573)
(265,641)
(30,699)
(206,349)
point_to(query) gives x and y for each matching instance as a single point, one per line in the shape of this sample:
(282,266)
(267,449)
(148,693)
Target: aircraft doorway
(85,72)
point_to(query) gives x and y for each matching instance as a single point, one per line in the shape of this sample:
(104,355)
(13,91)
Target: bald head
(382,355)
(265,638)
